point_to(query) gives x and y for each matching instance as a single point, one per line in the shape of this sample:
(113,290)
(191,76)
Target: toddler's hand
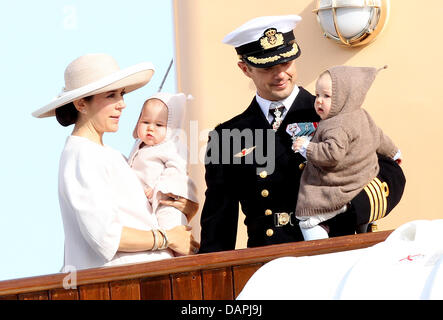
(298,143)
(148,192)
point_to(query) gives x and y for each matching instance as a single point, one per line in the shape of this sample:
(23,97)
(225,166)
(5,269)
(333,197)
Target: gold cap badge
(271,39)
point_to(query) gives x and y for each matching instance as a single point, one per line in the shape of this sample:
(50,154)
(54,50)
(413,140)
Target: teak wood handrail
(228,270)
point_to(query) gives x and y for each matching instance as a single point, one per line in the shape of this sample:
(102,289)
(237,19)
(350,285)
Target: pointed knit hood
(349,87)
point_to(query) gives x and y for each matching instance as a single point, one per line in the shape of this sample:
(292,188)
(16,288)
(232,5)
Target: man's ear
(244,67)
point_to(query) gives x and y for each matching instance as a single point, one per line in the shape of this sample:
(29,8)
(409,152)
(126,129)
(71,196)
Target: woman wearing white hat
(106,216)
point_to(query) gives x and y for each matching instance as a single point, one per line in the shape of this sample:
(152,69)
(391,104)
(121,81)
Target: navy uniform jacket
(262,188)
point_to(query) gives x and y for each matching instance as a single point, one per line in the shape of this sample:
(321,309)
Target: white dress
(99,194)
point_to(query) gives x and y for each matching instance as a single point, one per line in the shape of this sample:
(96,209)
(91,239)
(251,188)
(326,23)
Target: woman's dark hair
(68,114)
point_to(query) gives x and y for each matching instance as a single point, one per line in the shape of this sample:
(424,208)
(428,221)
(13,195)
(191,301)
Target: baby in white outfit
(159,158)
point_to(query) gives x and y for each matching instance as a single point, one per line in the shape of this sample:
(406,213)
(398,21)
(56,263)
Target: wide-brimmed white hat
(93,74)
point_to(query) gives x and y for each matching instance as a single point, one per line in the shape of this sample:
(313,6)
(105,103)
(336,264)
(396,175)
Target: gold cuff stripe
(374,196)
(377,192)
(383,195)
(382,204)
(288,54)
(380,199)
(371,202)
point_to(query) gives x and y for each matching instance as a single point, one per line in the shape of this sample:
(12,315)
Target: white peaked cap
(254,29)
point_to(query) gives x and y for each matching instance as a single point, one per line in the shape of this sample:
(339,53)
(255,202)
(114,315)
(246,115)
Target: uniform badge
(271,39)
(244,152)
(300,129)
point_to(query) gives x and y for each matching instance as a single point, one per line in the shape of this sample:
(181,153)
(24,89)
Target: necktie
(276,108)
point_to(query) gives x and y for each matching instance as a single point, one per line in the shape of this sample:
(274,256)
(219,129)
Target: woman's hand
(181,240)
(188,207)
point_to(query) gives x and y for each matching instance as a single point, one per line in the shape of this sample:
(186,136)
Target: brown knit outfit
(341,158)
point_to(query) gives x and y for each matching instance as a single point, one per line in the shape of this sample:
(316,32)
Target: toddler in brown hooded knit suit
(342,155)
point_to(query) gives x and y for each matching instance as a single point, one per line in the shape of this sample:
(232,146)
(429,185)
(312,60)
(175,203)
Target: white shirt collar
(265,104)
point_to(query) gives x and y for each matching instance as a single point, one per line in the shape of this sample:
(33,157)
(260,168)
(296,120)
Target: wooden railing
(211,276)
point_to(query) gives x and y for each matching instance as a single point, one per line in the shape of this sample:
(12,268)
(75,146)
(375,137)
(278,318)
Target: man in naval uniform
(249,160)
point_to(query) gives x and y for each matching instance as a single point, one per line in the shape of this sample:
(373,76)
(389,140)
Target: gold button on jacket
(264,193)
(269,232)
(263,174)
